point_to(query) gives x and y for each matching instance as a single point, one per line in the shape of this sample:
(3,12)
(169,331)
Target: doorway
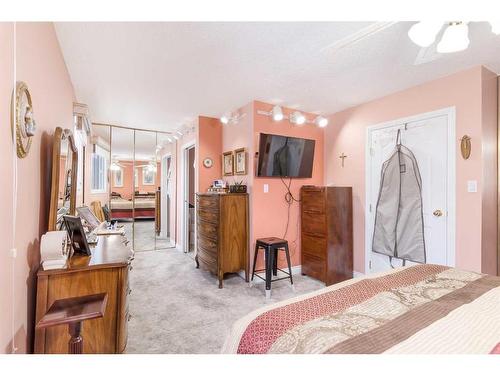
(430,136)
(189,198)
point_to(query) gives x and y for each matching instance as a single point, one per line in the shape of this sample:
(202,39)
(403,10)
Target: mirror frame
(59,135)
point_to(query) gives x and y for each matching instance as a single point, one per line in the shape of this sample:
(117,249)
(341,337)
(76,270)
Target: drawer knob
(129,291)
(129,317)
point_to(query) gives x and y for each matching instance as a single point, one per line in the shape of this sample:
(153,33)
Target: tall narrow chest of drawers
(222,233)
(326,233)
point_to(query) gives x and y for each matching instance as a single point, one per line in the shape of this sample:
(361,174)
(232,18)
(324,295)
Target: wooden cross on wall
(342,156)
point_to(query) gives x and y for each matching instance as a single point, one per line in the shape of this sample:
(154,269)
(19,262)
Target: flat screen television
(281,156)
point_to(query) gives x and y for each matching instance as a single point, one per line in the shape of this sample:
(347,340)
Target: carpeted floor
(177,308)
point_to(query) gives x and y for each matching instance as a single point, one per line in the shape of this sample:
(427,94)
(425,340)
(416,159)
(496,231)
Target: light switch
(472,186)
(266,188)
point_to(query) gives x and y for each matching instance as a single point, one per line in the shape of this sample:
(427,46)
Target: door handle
(438,213)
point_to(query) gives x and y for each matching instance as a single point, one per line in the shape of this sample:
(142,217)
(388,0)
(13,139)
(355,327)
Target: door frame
(185,192)
(450,112)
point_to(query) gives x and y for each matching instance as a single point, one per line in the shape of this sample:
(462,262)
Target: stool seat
(271,245)
(272,241)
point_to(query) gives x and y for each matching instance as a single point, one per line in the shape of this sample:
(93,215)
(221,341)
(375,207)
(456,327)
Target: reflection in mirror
(65,173)
(64,170)
(165,188)
(146,175)
(122,178)
(97,161)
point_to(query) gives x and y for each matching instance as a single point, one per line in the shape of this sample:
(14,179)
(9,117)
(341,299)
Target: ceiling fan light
(495,27)
(297,118)
(455,38)
(277,113)
(424,33)
(321,121)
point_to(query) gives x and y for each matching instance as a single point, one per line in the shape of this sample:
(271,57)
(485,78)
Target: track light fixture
(231,118)
(225,118)
(297,118)
(277,113)
(321,121)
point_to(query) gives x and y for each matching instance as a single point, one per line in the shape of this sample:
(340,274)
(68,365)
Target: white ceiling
(162,75)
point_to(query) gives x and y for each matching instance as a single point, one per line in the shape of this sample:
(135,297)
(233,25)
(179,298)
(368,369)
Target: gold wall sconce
(23,122)
(465,146)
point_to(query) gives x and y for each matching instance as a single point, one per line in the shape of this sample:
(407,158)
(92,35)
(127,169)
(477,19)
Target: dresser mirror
(64,174)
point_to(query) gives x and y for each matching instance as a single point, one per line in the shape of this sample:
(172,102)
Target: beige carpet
(177,308)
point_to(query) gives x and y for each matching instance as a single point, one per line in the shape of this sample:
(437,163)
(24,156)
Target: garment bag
(399,222)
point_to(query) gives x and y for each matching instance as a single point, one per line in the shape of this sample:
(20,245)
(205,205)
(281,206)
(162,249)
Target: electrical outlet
(472,186)
(266,188)
(13,253)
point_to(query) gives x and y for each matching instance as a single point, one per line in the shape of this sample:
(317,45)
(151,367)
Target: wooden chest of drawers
(222,233)
(106,271)
(326,233)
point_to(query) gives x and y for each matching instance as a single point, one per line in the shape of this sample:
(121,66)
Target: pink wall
(272,205)
(209,142)
(6,169)
(41,66)
(347,131)
(268,211)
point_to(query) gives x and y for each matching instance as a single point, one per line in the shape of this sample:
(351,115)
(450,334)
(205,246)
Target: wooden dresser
(105,271)
(222,233)
(326,233)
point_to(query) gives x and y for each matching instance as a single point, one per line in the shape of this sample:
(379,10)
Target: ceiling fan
(437,38)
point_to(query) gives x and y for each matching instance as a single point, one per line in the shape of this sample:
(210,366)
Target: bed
(122,208)
(426,309)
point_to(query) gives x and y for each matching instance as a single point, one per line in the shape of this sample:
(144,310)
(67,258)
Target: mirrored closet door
(146,174)
(122,179)
(131,174)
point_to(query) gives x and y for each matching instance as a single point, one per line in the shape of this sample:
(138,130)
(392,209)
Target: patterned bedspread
(419,309)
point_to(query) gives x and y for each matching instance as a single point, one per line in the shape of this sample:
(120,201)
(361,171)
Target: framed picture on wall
(118,178)
(136,177)
(228,163)
(148,176)
(240,161)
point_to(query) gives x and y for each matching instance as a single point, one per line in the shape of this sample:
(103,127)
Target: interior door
(428,140)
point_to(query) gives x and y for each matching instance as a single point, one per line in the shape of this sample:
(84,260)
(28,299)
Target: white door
(428,140)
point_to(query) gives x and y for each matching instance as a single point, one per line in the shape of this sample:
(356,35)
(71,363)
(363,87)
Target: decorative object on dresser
(23,123)
(64,183)
(222,233)
(73,312)
(238,187)
(105,271)
(326,233)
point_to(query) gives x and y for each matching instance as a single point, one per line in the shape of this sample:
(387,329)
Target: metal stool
(271,245)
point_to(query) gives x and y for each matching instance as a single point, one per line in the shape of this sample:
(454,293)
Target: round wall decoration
(23,122)
(208,162)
